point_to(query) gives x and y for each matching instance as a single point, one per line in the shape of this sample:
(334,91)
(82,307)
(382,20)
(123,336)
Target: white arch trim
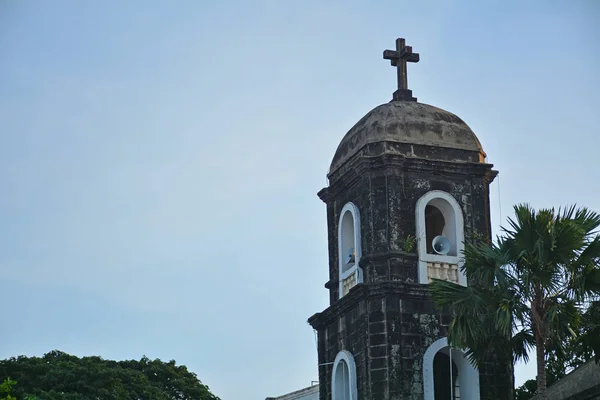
(468,375)
(424,258)
(353,210)
(347,357)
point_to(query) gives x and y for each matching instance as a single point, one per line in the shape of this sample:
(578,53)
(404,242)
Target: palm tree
(488,312)
(526,289)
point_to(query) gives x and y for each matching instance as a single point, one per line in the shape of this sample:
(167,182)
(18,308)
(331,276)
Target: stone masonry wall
(389,321)
(388,332)
(386,191)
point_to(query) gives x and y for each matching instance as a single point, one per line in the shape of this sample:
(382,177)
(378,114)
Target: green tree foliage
(527,390)
(58,375)
(528,288)
(6,388)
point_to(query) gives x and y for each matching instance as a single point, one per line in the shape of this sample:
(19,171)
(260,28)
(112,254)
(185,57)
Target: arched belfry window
(349,250)
(448,374)
(434,225)
(343,385)
(440,232)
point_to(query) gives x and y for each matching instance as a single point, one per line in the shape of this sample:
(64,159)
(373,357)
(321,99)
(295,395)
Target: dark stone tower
(407,184)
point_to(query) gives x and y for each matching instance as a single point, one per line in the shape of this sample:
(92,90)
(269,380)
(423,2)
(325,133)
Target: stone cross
(398,58)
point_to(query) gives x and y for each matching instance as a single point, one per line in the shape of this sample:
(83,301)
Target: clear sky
(159,160)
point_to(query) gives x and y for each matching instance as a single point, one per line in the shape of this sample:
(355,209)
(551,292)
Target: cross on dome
(398,58)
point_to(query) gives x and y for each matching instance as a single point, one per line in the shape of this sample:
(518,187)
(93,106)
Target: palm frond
(587,219)
(522,343)
(466,300)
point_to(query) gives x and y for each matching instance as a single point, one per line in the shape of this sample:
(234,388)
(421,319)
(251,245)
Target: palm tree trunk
(511,373)
(541,366)
(509,370)
(540,348)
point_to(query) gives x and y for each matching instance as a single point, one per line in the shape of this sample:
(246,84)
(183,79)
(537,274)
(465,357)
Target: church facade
(408,184)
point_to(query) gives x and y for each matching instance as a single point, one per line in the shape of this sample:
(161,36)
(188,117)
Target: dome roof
(414,124)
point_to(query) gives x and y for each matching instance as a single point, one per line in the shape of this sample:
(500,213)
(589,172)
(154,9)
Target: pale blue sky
(159,160)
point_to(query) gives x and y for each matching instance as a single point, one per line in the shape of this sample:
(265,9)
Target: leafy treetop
(58,375)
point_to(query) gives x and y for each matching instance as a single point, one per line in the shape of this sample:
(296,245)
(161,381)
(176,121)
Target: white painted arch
(454,230)
(468,375)
(349,237)
(344,359)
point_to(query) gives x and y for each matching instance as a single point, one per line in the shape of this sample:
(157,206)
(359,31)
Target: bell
(441,245)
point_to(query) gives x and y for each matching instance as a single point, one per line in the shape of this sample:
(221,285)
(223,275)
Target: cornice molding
(397,164)
(365,291)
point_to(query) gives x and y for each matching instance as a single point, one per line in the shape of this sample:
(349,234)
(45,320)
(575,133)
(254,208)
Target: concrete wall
(309,393)
(581,384)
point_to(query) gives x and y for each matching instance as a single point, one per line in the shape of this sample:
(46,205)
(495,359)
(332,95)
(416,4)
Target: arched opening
(434,225)
(440,233)
(349,250)
(440,219)
(343,385)
(342,381)
(445,380)
(448,374)
(348,247)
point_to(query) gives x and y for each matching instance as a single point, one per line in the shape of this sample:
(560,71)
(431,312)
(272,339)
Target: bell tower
(407,184)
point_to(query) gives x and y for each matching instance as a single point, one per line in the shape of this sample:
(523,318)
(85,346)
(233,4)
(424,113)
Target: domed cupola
(410,129)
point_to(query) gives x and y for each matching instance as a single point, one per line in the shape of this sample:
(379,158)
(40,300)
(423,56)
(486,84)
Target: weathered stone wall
(346,330)
(388,322)
(386,189)
(388,327)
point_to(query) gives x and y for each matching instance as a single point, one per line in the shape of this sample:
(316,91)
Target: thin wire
(346,373)
(317,346)
(451,387)
(499,200)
